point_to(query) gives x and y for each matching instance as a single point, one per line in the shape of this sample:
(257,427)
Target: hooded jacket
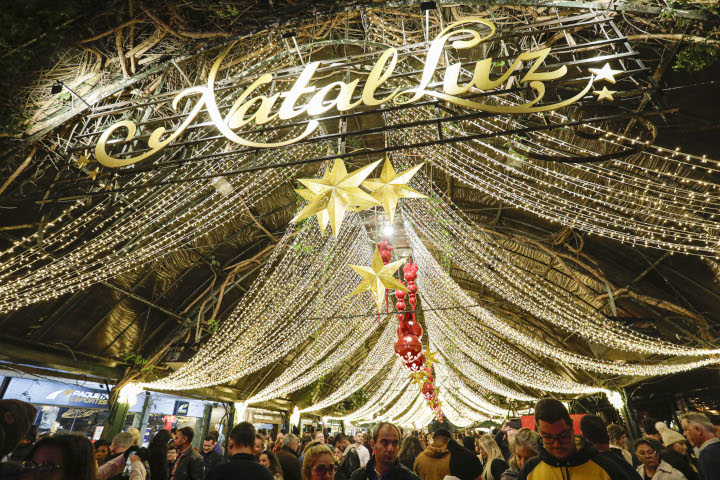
(433,463)
(398,472)
(584,464)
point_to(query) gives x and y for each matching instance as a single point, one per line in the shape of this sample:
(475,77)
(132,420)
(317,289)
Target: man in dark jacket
(350,458)
(384,465)
(189,463)
(595,432)
(288,458)
(700,431)
(242,464)
(559,456)
(210,456)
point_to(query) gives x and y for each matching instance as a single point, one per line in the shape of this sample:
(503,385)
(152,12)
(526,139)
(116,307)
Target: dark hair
(172,447)
(78,455)
(379,426)
(654,444)
(158,450)
(469,443)
(243,434)
(101,443)
(409,450)
(210,438)
(442,432)
(215,434)
(594,430)
(340,437)
(275,467)
(188,432)
(550,410)
(648,426)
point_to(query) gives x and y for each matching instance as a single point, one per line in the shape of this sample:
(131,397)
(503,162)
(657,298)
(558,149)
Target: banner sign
(259,106)
(181,408)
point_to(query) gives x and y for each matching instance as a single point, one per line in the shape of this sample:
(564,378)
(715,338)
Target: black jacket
(210,460)
(502,441)
(682,463)
(350,463)
(289,463)
(584,464)
(189,467)
(399,472)
(241,466)
(464,464)
(709,462)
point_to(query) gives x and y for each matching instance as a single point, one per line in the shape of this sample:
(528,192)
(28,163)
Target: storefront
(168,412)
(64,407)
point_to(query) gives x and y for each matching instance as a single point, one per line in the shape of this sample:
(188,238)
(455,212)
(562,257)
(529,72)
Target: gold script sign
(339,95)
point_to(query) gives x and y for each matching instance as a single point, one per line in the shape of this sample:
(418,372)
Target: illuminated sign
(60,394)
(252,106)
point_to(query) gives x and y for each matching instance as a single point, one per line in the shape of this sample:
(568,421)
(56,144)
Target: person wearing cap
(676,451)
(648,452)
(434,462)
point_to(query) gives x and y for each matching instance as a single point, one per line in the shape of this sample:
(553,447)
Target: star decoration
(604,94)
(93,174)
(418,377)
(605,73)
(377,278)
(83,160)
(330,196)
(430,358)
(391,187)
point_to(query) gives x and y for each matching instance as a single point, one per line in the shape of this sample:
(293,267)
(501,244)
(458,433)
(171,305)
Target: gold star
(390,187)
(604,94)
(418,377)
(333,193)
(377,278)
(430,358)
(605,73)
(84,160)
(93,174)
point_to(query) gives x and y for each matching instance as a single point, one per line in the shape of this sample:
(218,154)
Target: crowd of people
(552,451)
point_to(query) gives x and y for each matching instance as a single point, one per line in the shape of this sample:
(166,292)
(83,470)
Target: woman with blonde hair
(494,464)
(524,445)
(318,462)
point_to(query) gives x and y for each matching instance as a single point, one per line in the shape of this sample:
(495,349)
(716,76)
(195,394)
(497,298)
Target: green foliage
(138,362)
(213,325)
(214,262)
(696,57)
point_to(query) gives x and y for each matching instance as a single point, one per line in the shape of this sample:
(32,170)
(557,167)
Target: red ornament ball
(408,347)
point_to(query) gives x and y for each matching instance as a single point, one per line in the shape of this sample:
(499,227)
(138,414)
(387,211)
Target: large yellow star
(430,358)
(377,278)
(330,196)
(605,73)
(390,187)
(418,377)
(604,94)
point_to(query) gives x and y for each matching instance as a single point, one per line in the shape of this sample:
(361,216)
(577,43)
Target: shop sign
(258,417)
(60,394)
(181,408)
(252,106)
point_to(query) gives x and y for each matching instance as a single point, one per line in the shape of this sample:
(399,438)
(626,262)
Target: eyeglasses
(648,453)
(323,469)
(561,439)
(45,467)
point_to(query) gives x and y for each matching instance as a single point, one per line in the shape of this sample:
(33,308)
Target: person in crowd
(306,438)
(242,464)
(270,461)
(210,456)
(135,435)
(434,462)
(349,459)
(618,442)
(361,449)
(559,456)
(384,464)
(158,450)
(319,436)
(62,457)
(171,455)
(524,445)
(595,432)
(647,451)
(409,450)
(715,420)
(117,468)
(469,443)
(701,433)
(278,441)
(218,446)
(479,451)
(649,430)
(189,463)
(675,452)
(102,451)
(23,449)
(307,447)
(318,463)
(495,464)
(287,456)
(259,445)
(120,443)
(464,463)
(505,435)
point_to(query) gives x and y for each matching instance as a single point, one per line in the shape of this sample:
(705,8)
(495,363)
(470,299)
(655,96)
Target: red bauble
(400,306)
(416,364)
(428,391)
(400,294)
(412,288)
(408,347)
(410,276)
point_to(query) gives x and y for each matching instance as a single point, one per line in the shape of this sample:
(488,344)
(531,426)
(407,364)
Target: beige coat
(433,463)
(664,472)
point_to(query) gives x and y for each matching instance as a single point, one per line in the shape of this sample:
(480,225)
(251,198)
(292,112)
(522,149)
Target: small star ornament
(330,196)
(93,174)
(418,377)
(377,278)
(604,94)
(83,160)
(430,359)
(391,187)
(605,73)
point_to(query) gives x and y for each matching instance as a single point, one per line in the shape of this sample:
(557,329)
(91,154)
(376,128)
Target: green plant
(138,362)
(696,57)
(213,324)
